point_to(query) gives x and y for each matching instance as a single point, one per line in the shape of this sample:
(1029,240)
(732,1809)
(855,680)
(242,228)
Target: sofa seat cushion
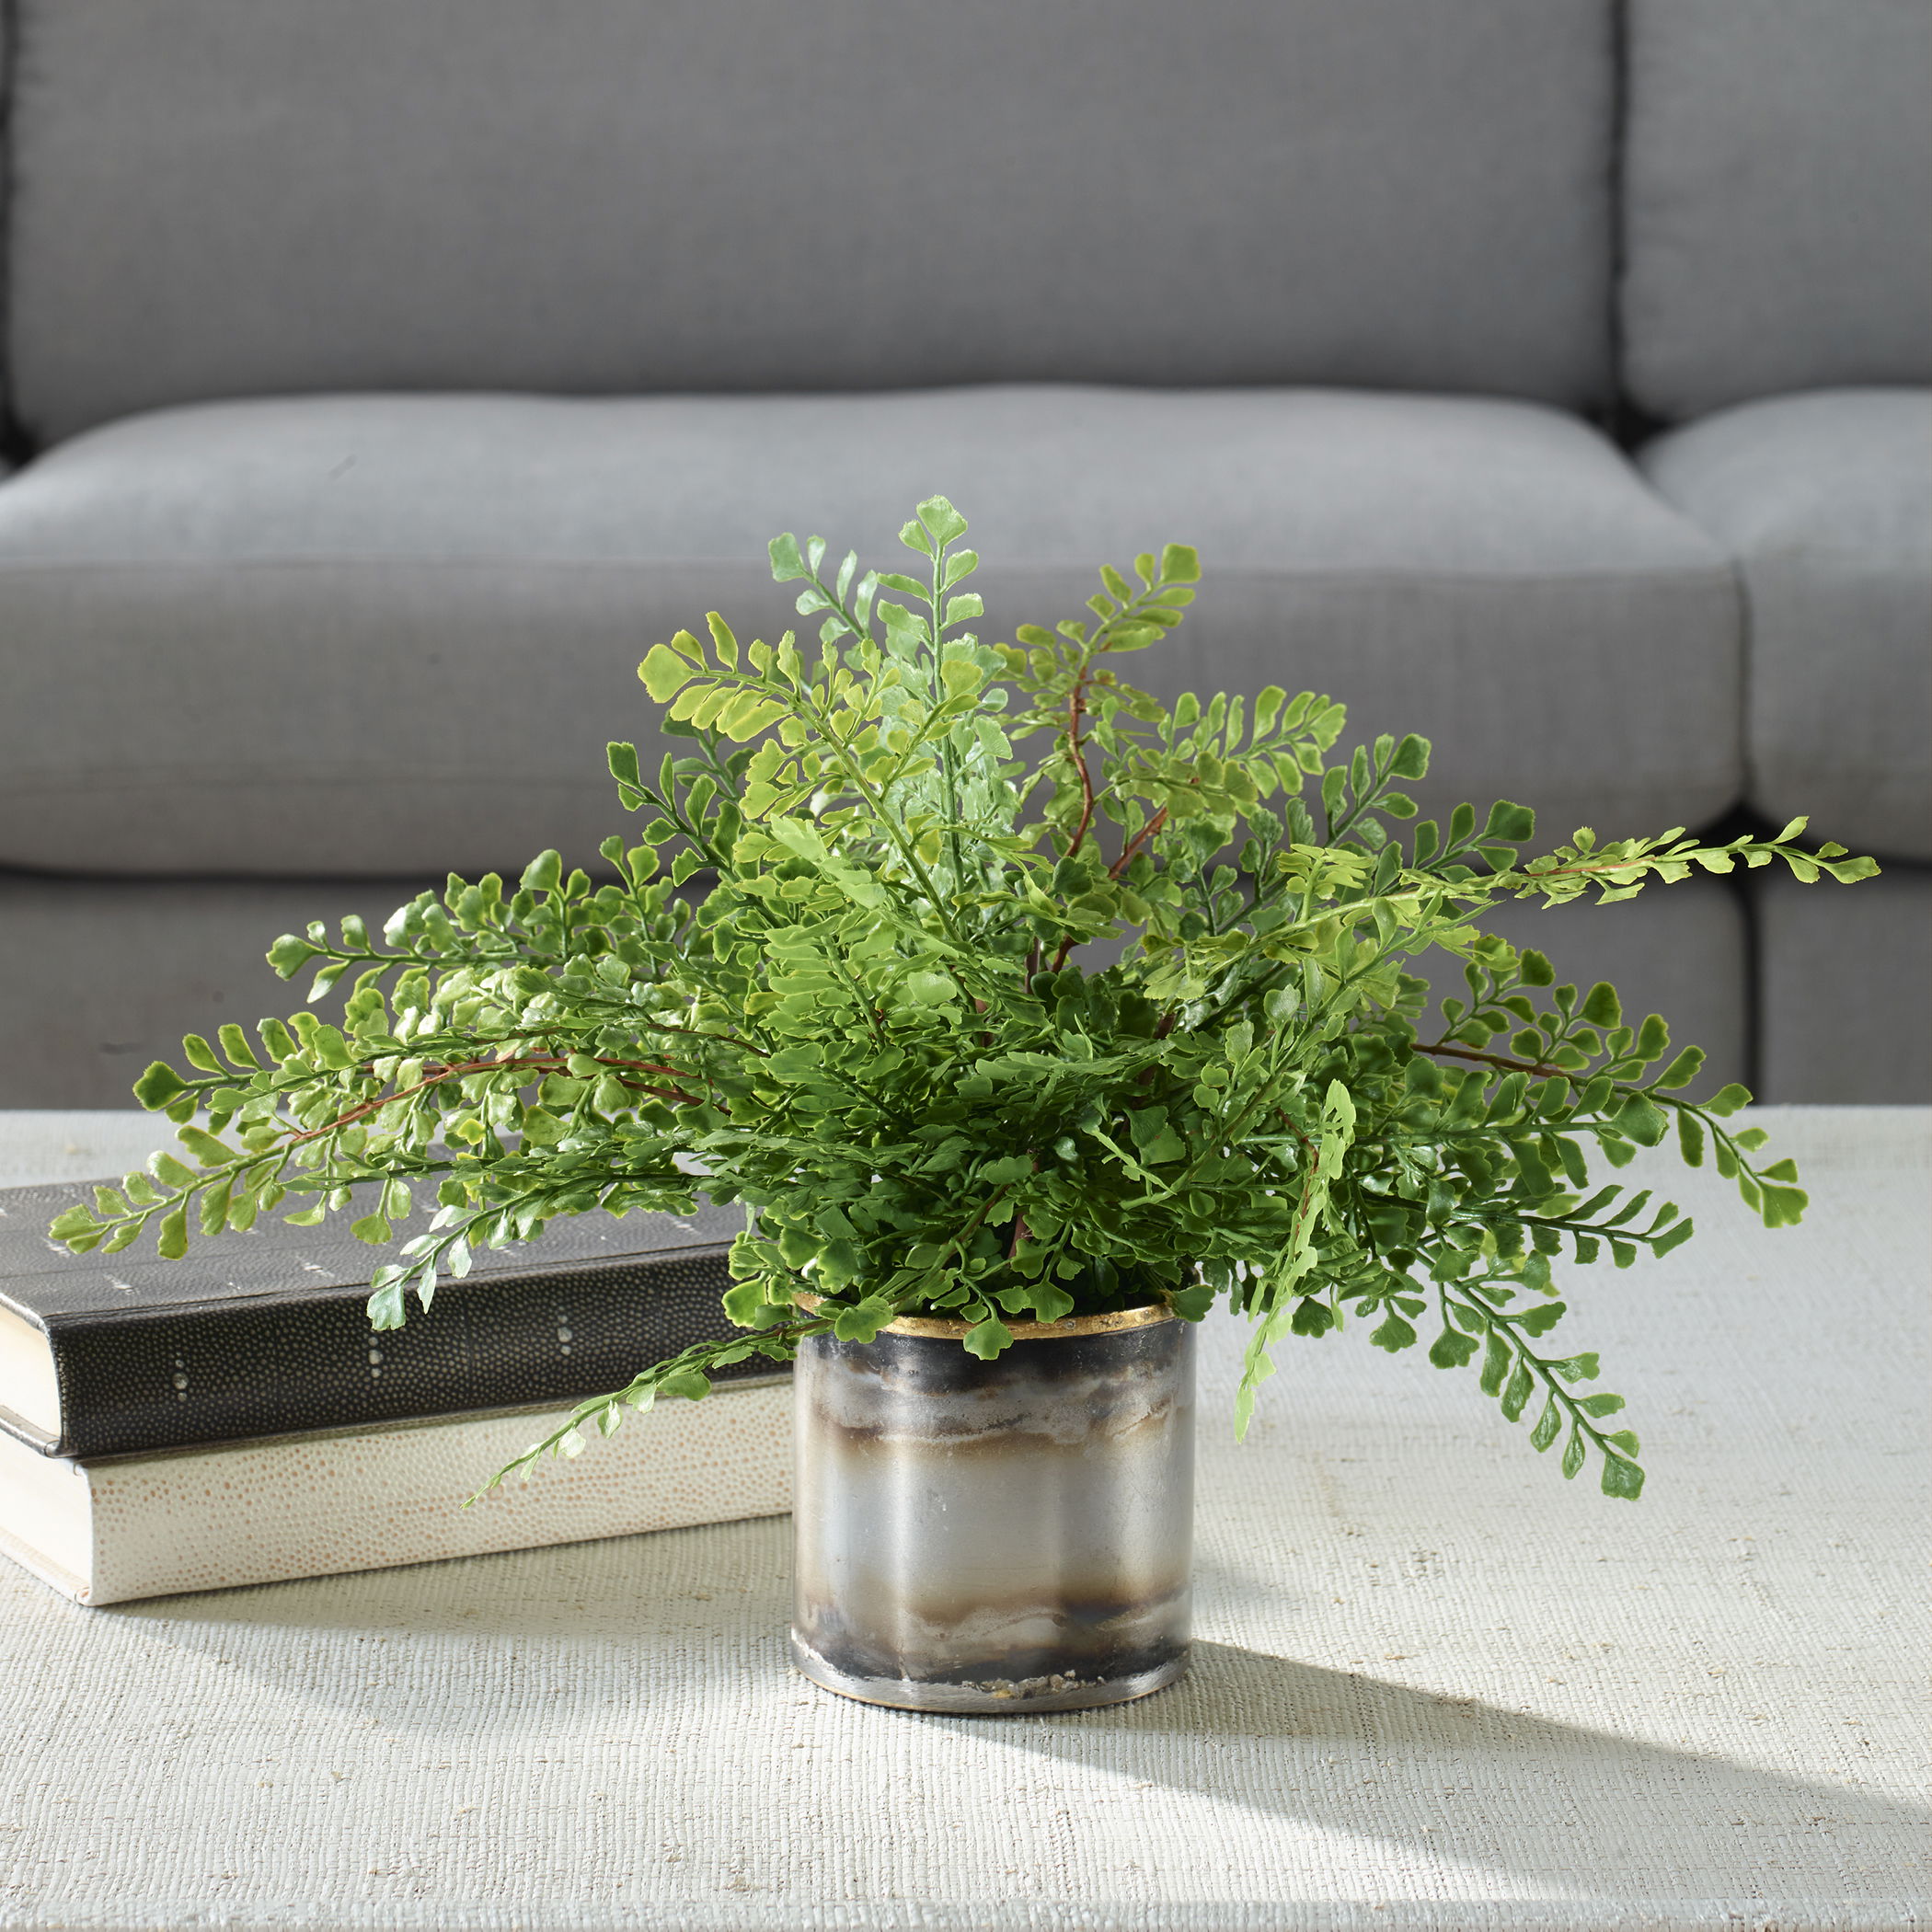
(378,634)
(1825,502)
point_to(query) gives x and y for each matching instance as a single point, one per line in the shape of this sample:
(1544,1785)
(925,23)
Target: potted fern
(1030,1016)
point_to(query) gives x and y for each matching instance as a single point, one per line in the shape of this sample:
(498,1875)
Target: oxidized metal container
(997,1536)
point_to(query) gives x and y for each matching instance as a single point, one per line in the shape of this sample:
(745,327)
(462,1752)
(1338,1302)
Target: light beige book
(280,1507)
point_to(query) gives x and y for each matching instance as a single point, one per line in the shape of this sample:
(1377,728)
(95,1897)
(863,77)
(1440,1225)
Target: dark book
(266,1333)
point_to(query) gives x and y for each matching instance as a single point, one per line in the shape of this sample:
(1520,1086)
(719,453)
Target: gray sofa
(1551,376)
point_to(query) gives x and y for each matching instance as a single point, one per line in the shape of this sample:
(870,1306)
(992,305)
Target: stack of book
(232,1417)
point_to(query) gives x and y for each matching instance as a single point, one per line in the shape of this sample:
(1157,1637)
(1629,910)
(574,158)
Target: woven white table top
(1437,1685)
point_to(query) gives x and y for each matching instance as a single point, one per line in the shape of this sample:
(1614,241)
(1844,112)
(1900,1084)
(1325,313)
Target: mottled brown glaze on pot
(997,1537)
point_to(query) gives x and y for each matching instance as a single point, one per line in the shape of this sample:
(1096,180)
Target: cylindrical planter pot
(997,1536)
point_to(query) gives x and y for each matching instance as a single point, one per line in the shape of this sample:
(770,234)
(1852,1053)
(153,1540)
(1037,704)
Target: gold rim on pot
(945,1328)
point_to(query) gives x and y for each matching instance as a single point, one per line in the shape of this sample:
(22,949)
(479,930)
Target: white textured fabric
(38,1145)
(1436,1685)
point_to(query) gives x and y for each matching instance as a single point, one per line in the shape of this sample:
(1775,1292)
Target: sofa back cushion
(221,198)
(1778,199)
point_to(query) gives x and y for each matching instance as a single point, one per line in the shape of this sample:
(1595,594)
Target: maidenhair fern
(844,975)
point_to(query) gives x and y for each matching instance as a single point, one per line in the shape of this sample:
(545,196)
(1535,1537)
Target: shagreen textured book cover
(264,1333)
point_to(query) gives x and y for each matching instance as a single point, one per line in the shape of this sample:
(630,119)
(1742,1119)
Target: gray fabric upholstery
(1778,182)
(603,196)
(1843,988)
(1826,500)
(98,977)
(375,635)
(6,83)
(1678,951)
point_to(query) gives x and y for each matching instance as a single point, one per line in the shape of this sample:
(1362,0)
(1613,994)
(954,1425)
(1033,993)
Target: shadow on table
(1434,1777)
(732,1579)
(1455,1777)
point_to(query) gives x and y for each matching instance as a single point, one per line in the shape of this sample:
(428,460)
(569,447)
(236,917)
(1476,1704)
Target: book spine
(132,1381)
(272,1512)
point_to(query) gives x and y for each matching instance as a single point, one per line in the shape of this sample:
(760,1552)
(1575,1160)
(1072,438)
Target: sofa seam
(170,779)
(15,445)
(1745,555)
(1618,30)
(1720,571)
(1631,423)
(28,782)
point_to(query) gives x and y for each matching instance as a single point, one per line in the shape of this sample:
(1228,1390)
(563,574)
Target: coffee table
(1436,1685)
